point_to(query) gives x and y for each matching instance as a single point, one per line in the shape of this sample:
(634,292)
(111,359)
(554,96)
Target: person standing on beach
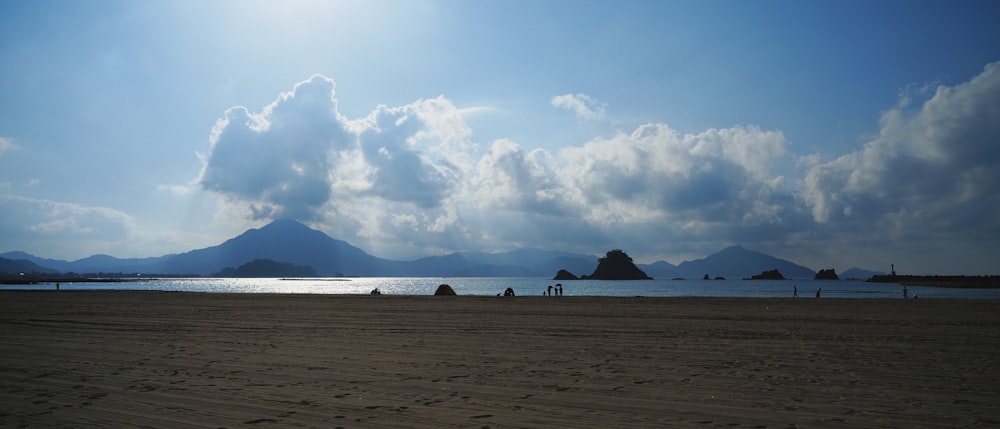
(906,292)
(818,292)
(795,291)
(550,290)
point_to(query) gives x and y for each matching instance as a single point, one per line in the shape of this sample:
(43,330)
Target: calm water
(535,286)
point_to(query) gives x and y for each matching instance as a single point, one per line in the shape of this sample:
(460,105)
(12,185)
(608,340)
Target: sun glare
(302,15)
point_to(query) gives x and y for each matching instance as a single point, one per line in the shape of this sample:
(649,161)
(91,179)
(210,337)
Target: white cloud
(408,180)
(6,144)
(411,178)
(933,170)
(279,159)
(509,179)
(583,105)
(409,151)
(178,190)
(655,173)
(30,223)
(299,153)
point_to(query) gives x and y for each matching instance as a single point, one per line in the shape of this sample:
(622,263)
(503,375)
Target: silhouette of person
(550,290)
(906,292)
(558,289)
(795,291)
(818,292)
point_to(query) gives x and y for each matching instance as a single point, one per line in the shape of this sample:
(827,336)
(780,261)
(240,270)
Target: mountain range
(290,242)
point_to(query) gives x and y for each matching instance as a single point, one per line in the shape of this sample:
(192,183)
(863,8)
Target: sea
(490,286)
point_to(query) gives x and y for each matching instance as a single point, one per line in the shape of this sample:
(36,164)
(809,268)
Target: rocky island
(268,268)
(615,265)
(565,275)
(768,275)
(830,274)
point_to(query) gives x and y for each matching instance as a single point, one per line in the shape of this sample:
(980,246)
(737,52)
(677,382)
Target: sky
(831,133)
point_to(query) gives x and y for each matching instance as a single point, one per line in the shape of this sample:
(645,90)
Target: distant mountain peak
(739,262)
(285,224)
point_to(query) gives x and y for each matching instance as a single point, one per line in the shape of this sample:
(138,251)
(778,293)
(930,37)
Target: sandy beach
(174,360)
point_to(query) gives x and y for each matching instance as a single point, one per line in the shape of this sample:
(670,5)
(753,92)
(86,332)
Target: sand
(174,360)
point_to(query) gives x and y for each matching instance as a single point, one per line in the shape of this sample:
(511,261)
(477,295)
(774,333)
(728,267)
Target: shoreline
(195,359)
(958,282)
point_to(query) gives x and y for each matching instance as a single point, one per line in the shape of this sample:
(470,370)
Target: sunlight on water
(533,287)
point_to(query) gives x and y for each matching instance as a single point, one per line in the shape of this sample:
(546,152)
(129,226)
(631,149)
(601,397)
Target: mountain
(538,262)
(859,273)
(281,240)
(295,243)
(660,270)
(457,265)
(53,264)
(111,264)
(16,267)
(292,242)
(93,264)
(737,263)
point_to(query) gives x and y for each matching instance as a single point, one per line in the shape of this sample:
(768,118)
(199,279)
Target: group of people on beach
(557,289)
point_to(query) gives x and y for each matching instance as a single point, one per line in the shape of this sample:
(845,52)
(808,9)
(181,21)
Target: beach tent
(444,290)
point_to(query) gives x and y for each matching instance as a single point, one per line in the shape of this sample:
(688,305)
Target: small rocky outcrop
(445,290)
(826,275)
(768,275)
(617,265)
(565,275)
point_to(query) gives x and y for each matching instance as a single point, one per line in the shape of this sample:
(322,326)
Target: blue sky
(834,134)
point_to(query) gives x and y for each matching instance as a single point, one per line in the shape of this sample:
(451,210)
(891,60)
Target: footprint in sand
(258,421)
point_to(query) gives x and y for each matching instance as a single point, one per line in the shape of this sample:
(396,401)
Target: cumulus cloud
(508,178)
(933,169)
(583,105)
(406,149)
(412,177)
(280,158)
(410,180)
(656,173)
(299,153)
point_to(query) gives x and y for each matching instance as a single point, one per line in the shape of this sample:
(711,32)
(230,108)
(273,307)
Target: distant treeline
(940,281)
